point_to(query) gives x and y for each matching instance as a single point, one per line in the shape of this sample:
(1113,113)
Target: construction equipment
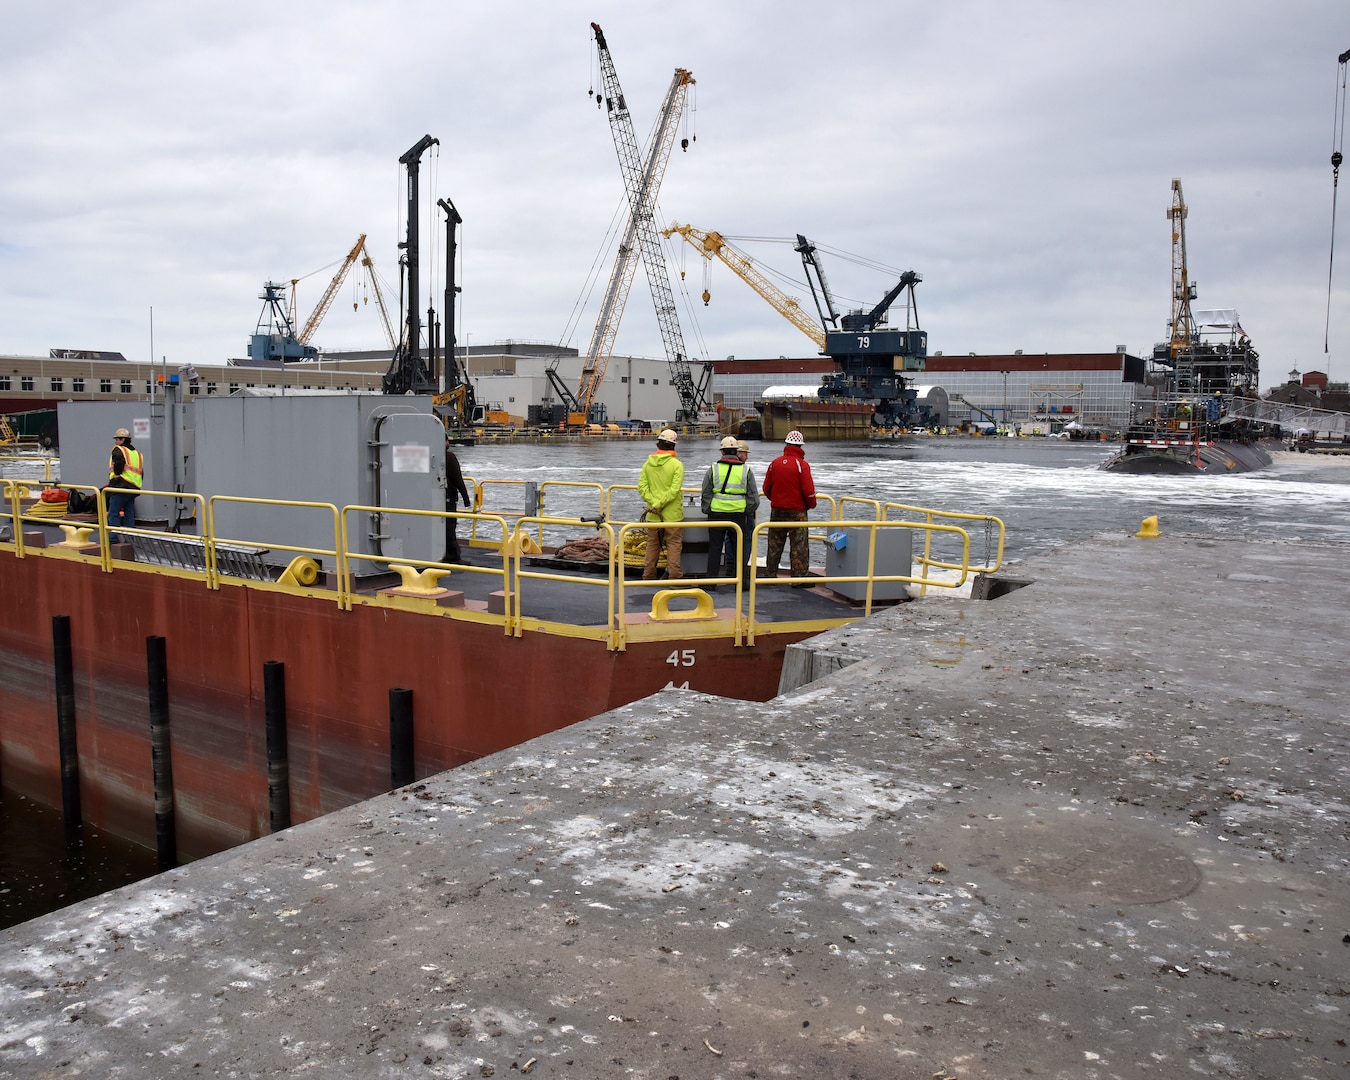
(408,373)
(1337,140)
(642,177)
(829,318)
(873,357)
(326,300)
(1182,324)
(456,404)
(1207,352)
(369,264)
(274,337)
(714,245)
(977,410)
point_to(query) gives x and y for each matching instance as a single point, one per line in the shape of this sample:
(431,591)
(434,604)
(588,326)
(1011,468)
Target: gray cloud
(1019,156)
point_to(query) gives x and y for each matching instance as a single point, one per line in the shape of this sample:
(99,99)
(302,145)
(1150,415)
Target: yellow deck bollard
(422,582)
(1148,529)
(76,536)
(703,608)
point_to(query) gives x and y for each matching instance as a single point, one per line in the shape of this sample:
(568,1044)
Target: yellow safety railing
(687,585)
(856,500)
(564,487)
(688,494)
(516,551)
(870,577)
(212,537)
(13,492)
(427,571)
(33,457)
(992,528)
(484,490)
(946,547)
(106,529)
(16,492)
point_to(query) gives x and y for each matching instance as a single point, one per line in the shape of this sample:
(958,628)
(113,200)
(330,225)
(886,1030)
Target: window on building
(105,386)
(192,389)
(210,388)
(623,378)
(640,381)
(4,382)
(656,382)
(25,382)
(126,386)
(148,388)
(234,388)
(58,383)
(77,384)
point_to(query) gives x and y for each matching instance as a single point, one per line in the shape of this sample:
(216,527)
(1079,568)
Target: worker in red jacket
(791,493)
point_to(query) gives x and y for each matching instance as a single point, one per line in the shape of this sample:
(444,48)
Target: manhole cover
(1086,860)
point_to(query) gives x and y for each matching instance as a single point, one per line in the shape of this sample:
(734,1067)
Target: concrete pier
(1093,828)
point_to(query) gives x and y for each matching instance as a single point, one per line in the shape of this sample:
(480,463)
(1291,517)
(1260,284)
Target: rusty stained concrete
(1095,828)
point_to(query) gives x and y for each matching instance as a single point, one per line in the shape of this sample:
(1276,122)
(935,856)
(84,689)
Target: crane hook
(684,144)
(706,297)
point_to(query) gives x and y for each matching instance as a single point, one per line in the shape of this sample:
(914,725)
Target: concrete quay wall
(1093,828)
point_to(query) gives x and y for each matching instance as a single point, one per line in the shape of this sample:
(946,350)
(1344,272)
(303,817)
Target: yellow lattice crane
(330,294)
(326,301)
(713,244)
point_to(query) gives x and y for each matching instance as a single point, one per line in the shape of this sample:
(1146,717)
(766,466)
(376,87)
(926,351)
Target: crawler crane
(642,177)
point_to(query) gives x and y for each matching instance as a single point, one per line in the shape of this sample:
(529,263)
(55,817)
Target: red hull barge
(475,689)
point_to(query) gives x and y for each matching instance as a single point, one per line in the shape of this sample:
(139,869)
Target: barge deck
(493,652)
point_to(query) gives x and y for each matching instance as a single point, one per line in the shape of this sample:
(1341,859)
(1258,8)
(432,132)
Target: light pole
(1005,399)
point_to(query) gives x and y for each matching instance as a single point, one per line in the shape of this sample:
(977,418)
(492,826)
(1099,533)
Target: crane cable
(1337,140)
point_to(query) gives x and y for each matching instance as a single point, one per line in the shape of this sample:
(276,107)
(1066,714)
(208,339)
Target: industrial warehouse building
(1097,389)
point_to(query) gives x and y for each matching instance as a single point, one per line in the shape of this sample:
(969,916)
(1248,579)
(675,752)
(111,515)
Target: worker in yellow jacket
(661,485)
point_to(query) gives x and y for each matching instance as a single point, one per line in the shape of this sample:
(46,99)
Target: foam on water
(1048,492)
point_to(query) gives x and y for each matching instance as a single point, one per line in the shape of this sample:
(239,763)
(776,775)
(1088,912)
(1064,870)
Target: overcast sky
(171,156)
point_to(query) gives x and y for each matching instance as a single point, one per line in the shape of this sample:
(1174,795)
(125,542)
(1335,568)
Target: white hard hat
(728,442)
(668,435)
(121,433)
(794,438)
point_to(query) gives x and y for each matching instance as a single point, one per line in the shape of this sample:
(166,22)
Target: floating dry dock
(1094,828)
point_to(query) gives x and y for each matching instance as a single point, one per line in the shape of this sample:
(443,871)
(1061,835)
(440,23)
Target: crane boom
(713,244)
(326,301)
(369,264)
(829,318)
(1183,290)
(642,178)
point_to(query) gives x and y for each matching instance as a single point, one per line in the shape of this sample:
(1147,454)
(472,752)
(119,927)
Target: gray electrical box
(846,555)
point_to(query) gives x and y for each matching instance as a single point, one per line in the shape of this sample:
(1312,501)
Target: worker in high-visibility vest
(728,494)
(126,477)
(660,484)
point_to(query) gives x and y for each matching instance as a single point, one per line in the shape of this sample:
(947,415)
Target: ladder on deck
(189,553)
